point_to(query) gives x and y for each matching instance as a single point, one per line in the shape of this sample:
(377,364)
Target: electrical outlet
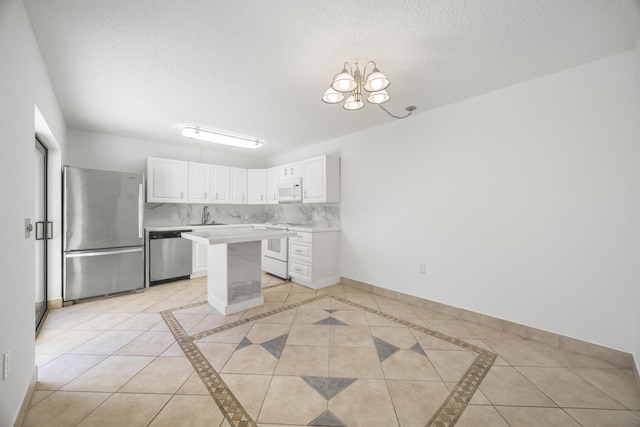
(174,217)
(5,363)
(422,268)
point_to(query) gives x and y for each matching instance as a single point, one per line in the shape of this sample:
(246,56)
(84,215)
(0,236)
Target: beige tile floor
(117,362)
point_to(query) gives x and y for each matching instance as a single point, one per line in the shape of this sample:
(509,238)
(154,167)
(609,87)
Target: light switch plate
(28,228)
(5,366)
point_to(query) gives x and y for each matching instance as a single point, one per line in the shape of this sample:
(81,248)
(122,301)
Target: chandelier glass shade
(349,83)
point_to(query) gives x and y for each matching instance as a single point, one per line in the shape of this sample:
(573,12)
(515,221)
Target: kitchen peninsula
(234,265)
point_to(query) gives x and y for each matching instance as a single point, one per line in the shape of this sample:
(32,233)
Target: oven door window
(277,248)
(274,245)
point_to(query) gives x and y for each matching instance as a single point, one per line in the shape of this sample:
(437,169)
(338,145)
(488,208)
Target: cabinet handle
(205,194)
(182,194)
(216,196)
(291,171)
(261,197)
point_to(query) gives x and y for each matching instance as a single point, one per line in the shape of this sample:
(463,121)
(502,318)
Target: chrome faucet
(205,214)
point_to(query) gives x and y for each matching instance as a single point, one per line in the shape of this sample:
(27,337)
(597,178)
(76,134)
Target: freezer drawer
(97,273)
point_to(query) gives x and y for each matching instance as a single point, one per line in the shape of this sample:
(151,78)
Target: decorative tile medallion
(343,375)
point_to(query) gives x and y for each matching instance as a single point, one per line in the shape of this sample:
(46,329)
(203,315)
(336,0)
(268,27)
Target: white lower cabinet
(314,258)
(199,260)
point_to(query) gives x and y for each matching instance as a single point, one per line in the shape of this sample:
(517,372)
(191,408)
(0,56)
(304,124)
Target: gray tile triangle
(385,349)
(418,349)
(328,386)
(330,310)
(244,343)
(330,321)
(275,346)
(327,419)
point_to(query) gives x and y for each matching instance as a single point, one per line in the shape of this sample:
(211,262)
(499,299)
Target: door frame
(40,146)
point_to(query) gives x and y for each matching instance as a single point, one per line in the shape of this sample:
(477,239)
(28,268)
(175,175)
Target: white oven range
(275,253)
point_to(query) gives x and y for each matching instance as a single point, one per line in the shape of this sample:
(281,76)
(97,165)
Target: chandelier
(350,82)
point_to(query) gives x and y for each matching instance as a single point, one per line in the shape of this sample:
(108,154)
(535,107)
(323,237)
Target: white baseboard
(610,355)
(27,399)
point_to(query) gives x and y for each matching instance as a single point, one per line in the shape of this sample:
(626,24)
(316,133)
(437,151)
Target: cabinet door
(238,185)
(199,182)
(167,180)
(219,184)
(199,259)
(314,180)
(272,186)
(256,186)
(290,170)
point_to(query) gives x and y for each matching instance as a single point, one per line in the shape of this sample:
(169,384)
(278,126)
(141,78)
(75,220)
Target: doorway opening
(43,231)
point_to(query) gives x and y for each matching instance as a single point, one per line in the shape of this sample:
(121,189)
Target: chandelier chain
(409,109)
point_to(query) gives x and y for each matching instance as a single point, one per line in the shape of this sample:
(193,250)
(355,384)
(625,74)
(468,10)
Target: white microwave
(290,190)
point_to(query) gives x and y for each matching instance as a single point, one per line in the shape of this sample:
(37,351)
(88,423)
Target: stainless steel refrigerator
(103,232)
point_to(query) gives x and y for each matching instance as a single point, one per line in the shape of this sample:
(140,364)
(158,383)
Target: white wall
(24,84)
(112,152)
(520,203)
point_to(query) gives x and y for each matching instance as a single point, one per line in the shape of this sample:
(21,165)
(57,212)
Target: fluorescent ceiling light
(221,137)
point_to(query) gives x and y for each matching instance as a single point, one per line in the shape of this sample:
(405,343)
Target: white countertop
(197,227)
(220,234)
(313,228)
(204,227)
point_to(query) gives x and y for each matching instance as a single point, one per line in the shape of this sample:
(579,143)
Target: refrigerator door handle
(40,232)
(100,253)
(140,210)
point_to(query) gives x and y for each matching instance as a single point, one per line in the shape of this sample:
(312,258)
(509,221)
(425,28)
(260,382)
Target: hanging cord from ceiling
(410,110)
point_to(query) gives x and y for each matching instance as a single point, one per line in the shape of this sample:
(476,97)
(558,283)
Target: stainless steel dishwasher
(169,256)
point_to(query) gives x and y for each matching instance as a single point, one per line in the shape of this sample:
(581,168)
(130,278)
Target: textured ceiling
(144,68)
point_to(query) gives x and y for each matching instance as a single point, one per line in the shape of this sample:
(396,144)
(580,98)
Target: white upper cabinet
(199,183)
(321,180)
(219,184)
(176,181)
(167,180)
(257,186)
(291,170)
(272,186)
(238,185)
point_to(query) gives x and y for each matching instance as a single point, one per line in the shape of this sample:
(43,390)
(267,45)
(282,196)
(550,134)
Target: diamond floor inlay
(328,361)
(338,356)
(328,387)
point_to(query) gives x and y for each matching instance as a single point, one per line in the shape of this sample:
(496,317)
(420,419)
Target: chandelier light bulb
(378,97)
(376,81)
(353,103)
(344,82)
(332,96)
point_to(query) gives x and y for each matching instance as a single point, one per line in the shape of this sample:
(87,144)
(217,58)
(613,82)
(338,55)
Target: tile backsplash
(322,214)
